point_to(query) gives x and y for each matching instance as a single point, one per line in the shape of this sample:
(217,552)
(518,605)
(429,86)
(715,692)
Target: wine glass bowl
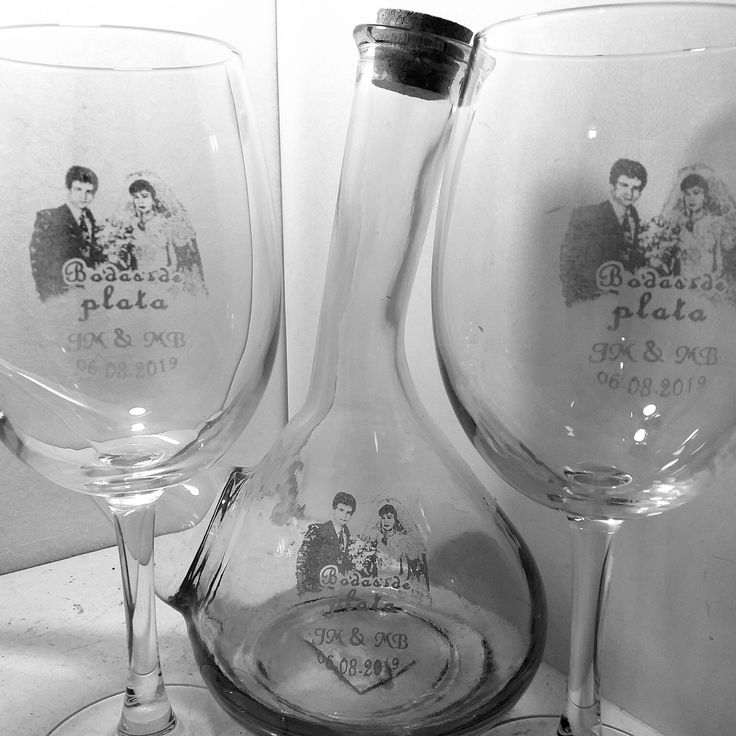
(128,340)
(140,287)
(584,272)
(600,387)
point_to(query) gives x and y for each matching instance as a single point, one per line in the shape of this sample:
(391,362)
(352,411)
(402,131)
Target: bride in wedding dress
(150,233)
(700,215)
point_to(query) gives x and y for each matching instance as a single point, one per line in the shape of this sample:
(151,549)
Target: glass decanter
(360,579)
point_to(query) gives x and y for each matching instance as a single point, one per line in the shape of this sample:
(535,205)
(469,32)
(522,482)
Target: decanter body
(360,579)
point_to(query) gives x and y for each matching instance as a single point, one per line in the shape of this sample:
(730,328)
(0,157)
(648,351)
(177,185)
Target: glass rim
(227,50)
(482,37)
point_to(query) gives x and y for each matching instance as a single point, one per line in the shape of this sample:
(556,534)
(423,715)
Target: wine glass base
(197,714)
(540,726)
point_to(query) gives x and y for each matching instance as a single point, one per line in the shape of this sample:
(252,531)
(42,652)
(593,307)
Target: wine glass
(584,281)
(139,295)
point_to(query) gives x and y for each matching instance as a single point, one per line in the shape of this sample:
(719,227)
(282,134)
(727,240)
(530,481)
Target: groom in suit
(65,232)
(325,545)
(603,232)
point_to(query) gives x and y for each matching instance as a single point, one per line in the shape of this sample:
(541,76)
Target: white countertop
(62,646)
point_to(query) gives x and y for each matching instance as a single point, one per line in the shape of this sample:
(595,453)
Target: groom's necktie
(84,227)
(343,539)
(628,229)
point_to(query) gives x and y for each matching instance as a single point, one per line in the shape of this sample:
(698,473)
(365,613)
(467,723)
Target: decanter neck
(405,95)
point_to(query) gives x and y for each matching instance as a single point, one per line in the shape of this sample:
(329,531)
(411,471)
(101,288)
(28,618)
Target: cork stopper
(423,23)
(417,54)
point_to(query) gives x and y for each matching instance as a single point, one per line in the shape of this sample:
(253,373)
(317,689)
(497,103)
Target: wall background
(671,631)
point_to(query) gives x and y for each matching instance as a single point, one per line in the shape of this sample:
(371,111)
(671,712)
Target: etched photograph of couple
(147,234)
(693,237)
(390,551)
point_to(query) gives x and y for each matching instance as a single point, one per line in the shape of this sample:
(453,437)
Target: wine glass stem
(146,708)
(591,563)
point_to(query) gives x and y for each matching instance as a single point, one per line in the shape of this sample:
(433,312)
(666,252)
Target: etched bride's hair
(388,508)
(718,199)
(697,180)
(694,180)
(143,185)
